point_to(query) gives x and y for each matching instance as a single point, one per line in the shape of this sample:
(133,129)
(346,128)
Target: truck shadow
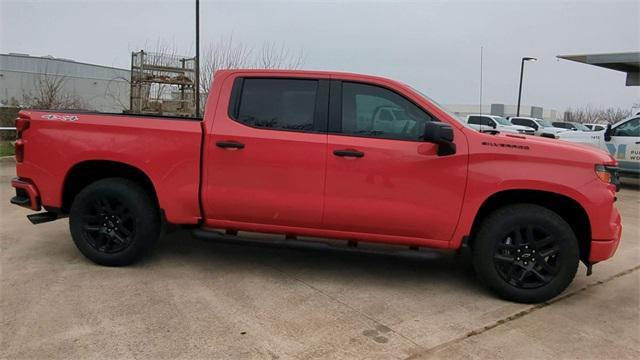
(317,263)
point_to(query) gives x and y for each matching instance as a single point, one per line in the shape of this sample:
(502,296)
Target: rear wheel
(526,253)
(114,222)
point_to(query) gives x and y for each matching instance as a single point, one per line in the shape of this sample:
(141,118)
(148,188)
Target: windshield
(501,120)
(544,123)
(580,126)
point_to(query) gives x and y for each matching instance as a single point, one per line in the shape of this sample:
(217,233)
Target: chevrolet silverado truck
(298,153)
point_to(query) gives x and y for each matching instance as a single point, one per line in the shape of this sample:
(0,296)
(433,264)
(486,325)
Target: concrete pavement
(205,299)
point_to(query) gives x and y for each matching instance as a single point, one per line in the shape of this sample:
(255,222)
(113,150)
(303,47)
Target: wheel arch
(567,208)
(90,171)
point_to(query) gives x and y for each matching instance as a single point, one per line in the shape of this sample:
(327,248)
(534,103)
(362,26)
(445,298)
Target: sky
(432,45)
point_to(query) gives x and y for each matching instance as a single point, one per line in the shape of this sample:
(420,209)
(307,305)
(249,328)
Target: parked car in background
(622,140)
(484,123)
(570,125)
(596,127)
(388,119)
(299,153)
(541,127)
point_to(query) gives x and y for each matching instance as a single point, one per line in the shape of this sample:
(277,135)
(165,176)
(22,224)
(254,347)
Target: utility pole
(197,62)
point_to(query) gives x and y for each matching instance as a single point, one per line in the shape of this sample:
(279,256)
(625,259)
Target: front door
(266,157)
(382,178)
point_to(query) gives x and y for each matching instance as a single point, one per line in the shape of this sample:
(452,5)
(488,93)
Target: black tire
(526,253)
(114,222)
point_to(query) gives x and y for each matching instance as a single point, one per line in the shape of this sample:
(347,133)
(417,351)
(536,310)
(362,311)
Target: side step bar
(290,241)
(42,217)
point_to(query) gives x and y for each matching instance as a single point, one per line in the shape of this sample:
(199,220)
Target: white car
(542,127)
(622,140)
(570,125)
(596,127)
(484,123)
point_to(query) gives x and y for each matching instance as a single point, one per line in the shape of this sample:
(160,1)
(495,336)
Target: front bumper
(603,249)
(27,194)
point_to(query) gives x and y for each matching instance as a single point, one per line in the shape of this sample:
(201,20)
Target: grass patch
(6,148)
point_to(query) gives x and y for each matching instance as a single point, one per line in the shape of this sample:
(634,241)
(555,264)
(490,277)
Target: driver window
(630,128)
(369,110)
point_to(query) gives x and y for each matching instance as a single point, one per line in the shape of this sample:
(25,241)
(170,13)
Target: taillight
(19,149)
(22,124)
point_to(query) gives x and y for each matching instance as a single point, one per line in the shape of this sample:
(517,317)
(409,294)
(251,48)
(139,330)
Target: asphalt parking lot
(209,299)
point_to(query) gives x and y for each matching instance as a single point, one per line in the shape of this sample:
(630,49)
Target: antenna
(481,55)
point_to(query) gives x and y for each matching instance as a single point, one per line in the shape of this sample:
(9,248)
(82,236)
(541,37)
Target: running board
(290,241)
(42,217)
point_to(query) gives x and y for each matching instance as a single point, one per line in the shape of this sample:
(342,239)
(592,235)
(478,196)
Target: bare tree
(589,114)
(274,56)
(226,53)
(51,93)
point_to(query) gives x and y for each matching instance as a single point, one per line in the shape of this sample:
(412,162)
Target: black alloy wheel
(527,258)
(525,253)
(108,226)
(114,221)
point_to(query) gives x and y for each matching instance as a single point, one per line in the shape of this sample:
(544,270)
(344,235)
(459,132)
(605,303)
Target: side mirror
(440,134)
(607,133)
(493,125)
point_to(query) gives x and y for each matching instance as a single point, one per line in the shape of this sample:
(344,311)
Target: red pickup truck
(300,153)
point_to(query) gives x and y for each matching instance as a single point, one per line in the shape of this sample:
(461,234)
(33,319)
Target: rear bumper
(602,249)
(27,194)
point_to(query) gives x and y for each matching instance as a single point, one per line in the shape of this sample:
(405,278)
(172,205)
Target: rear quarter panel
(166,150)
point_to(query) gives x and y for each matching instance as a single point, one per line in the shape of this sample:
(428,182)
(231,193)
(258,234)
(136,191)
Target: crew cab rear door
(388,181)
(266,153)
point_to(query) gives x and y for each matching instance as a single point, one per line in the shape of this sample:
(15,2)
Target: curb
(10,158)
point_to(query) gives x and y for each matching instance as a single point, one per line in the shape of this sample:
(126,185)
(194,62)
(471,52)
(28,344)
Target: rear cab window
(278,103)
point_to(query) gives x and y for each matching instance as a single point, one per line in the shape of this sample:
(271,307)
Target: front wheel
(113,222)
(526,253)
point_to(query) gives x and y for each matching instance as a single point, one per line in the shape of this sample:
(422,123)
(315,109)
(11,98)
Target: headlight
(608,174)
(603,174)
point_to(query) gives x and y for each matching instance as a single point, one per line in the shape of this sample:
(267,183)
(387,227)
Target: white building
(94,87)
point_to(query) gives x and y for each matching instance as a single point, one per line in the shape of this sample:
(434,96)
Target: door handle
(348,153)
(229,145)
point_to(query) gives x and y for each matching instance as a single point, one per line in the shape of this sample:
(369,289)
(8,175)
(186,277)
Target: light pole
(521,73)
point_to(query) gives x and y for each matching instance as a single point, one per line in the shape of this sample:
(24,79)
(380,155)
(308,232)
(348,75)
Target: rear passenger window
(279,104)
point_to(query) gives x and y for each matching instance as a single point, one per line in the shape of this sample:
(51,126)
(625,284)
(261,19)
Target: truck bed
(166,149)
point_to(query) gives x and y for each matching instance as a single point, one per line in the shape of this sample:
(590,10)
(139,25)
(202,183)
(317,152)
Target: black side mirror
(493,125)
(441,134)
(607,133)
